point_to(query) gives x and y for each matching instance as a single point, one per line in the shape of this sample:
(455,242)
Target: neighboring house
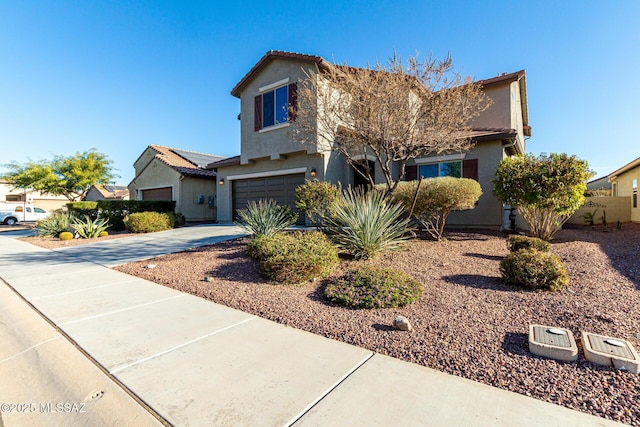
(44,201)
(624,183)
(599,184)
(272,165)
(164,173)
(107,192)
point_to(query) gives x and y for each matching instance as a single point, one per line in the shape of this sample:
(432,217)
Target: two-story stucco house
(271,164)
(624,182)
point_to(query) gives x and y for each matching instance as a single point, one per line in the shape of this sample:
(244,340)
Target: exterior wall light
(221,182)
(313,172)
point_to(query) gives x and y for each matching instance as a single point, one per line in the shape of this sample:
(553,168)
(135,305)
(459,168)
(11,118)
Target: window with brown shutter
(411,173)
(470,169)
(257,113)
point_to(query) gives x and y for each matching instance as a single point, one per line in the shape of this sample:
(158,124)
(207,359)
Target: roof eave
(270,56)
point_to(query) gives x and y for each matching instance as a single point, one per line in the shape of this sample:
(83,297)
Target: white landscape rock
(402,323)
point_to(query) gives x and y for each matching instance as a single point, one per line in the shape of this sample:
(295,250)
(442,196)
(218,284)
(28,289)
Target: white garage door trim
(267,174)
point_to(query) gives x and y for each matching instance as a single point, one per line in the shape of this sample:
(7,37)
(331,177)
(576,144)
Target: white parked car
(11,213)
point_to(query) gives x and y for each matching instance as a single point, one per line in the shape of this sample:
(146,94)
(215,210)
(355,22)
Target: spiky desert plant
(366,223)
(53,225)
(88,228)
(265,218)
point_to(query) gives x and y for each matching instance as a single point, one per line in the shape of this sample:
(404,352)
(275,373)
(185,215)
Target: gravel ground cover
(467,323)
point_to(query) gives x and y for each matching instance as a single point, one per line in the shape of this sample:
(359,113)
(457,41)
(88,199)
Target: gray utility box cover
(552,342)
(609,351)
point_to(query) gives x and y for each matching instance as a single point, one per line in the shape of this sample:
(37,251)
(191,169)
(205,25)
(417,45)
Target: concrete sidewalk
(194,362)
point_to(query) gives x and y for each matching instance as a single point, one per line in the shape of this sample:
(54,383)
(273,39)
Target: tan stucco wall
(185,191)
(616,208)
(624,184)
(190,189)
(275,141)
(489,212)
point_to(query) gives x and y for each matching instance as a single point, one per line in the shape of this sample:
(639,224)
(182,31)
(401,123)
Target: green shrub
(66,235)
(53,225)
(179,219)
(374,287)
(516,242)
(316,199)
(80,209)
(436,198)
(366,223)
(265,218)
(546,189)
(148,222)
(294,257)
(534,269)
(116,210)
(89,228)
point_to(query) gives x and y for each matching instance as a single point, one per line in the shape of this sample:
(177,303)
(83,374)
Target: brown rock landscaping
(467,322)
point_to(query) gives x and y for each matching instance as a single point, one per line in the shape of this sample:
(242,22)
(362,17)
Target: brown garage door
(163,193)
(281,188)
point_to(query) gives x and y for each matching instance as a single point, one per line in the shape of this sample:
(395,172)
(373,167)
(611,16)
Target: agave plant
(265,218)
(53,225)
(366,223)
(88,228)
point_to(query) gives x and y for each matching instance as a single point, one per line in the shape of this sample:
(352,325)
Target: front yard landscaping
(467,322)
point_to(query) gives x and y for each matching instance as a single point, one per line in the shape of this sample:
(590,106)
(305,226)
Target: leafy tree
(432,200)
(393,112)
(71,176)
(547,190)
(316,199)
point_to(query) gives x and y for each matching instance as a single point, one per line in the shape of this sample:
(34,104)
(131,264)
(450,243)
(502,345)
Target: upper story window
(272,106)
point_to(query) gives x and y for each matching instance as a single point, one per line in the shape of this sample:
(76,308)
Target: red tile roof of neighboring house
(112,191)
(179,163)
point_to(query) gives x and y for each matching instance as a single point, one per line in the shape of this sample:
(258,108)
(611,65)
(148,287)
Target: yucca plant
(265,218)
(53,225)
(366,223)
(88,228)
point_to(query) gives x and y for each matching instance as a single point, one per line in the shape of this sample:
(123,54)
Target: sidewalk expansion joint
(82,290)
(31,348)
(329,390)
(108,313)
(162,353)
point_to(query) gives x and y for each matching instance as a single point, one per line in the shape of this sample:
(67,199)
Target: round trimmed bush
(294,257)
(103,234)
(534,269)
(65,235)
(517,242)
(148,222)
(374,287)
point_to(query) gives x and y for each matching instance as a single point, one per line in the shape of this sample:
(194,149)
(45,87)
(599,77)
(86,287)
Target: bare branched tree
(394,112)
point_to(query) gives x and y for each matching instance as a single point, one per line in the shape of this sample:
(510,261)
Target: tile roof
(112,191)
(187,163)
(231,161)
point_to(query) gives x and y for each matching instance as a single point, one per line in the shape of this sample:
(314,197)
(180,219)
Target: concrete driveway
(110,253)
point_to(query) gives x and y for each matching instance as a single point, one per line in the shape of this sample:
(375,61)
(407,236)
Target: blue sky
(120,75)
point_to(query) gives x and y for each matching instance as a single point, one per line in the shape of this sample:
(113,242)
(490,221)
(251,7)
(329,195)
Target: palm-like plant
(88,228)
(366,223)
(265,218)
